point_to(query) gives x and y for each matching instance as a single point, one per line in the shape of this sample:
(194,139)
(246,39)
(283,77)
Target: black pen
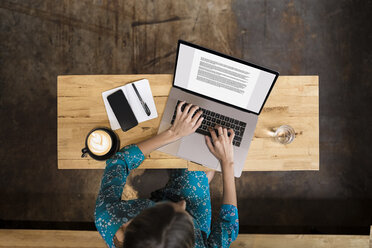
(144,105)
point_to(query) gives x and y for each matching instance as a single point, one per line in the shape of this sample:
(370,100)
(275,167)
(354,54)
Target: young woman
(179,215)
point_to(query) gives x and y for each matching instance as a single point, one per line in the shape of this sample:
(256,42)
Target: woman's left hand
(184,123)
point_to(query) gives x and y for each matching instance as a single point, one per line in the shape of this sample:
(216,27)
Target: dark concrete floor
(41,39)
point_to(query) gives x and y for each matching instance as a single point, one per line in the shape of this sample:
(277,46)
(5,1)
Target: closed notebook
(144,90)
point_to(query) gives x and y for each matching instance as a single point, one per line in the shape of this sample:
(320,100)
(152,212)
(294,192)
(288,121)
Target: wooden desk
(293,101)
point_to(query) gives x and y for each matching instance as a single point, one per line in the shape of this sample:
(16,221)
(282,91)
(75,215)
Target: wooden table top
(293,101)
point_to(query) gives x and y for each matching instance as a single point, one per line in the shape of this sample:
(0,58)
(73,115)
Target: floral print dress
(111,212)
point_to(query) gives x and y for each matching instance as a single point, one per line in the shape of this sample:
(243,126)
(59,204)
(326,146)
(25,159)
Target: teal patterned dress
(111,212)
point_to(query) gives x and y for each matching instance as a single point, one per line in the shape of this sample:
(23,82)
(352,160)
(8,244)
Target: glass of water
(284,134)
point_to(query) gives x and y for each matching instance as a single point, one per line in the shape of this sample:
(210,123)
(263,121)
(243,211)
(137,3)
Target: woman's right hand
(221,147)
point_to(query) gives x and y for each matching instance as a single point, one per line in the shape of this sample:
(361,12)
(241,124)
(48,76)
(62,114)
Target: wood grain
(303,241)
(293,101)
(50,238)
(69,239)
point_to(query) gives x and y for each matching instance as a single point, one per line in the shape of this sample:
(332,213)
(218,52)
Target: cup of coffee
(101,143)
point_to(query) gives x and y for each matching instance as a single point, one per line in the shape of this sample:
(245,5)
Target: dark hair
(159,227)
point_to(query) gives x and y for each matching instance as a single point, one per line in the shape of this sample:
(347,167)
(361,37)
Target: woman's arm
(109,196)
(226,228)
(222,148)
(229,190)
(130,157)
(184,124)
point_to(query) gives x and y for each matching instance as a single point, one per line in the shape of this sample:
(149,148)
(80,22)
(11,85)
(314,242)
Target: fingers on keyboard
(211,119)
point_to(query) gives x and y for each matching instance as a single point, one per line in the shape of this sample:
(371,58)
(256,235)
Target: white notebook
(144,90)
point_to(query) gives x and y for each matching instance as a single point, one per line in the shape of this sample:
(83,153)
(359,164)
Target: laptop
(230,92)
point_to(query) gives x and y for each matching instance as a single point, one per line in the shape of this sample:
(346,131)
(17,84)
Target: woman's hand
(222,147)
(184,124)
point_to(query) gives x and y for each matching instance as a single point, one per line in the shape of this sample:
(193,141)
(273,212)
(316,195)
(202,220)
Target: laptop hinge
(212,99)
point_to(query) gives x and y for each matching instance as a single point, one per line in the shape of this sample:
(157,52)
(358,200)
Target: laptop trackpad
(195,149)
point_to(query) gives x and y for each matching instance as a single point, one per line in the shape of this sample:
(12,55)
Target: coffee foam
(99,142)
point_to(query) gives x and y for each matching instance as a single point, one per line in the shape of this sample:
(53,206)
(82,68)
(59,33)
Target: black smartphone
(122,110)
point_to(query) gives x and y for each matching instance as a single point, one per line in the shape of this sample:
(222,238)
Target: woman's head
(164,225)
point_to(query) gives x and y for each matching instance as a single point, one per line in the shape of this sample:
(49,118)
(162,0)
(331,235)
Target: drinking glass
(284,134)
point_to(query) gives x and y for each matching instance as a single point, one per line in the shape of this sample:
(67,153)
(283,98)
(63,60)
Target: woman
(179,215)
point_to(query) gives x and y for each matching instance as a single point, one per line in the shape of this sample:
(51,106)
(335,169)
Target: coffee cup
(101,143)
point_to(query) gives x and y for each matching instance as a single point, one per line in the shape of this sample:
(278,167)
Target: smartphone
(122,110)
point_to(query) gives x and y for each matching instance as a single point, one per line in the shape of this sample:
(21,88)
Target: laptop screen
(223,78)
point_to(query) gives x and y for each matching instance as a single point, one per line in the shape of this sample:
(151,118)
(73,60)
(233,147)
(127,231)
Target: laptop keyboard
(211,119)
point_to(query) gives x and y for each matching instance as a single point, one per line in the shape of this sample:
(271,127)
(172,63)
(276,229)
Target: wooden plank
(303,241)
(58,238)
(293,101)
(370,238)
(50,238)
